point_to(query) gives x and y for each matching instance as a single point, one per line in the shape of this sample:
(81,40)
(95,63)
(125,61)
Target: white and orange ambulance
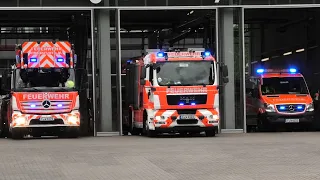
(173,91)
(278,97)
(44,99)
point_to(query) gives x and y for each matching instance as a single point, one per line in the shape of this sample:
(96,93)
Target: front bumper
(275,118)
(170,120)
(186,129)
(20,120)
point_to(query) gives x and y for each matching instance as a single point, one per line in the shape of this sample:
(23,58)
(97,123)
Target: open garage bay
(228,156)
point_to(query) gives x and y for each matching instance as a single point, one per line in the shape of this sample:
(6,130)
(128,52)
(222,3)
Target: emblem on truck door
(46,103)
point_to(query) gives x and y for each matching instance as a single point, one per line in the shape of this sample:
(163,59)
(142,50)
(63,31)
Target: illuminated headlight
(269,108)
(310,107)
(73,120)
(20,120)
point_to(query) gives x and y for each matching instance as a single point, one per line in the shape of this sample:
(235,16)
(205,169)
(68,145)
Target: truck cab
(278,97)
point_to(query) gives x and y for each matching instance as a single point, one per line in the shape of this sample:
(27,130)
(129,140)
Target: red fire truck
(172,91)
(43,97)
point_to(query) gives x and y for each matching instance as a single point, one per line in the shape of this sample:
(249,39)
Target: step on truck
(42,97)
(278,97)
(173,91)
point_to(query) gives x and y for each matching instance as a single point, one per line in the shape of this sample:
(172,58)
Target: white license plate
(292,120)
(46,119)
(187,116)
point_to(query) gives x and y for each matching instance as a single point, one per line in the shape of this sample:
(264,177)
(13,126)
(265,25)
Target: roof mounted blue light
(207,53)
(260,71)
(160,54)
(292,70)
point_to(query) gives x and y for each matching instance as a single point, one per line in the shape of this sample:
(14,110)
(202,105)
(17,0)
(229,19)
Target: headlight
(20,121)
(213,117)
(310,107)
(73,120)
(269,108)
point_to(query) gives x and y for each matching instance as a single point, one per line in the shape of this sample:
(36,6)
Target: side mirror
(225,80)
(142,82)
(224,70)
(255,93)
(143,73)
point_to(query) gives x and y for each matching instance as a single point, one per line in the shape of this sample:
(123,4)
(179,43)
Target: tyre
(4,130)
(73,132)
(135,131)
(210,133)
(16,133)
(146,131)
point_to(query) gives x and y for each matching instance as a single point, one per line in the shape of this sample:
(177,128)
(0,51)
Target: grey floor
(258,156)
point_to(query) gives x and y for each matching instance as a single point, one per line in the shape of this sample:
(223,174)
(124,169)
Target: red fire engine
(172,91)
(43,98)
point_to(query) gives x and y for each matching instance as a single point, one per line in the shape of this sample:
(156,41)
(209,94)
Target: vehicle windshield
(44,80)
(186,73)
(284,85)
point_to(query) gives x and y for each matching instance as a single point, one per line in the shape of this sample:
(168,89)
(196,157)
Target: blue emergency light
(282,108)
(299,107)
(193,104)
(59,105)
(60,60)
(181,104)
(160,54)
(292,70)
(207,53)
(33,59)
(260,71)
(33,105)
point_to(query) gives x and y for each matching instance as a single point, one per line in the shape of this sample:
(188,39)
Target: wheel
(262,126)
(210,133)
(16,133)
(146,131)
(4,130)
(125,133)
(73,132)
(135,131)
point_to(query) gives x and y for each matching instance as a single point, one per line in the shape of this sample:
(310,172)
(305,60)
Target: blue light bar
(59,105)
(260,71)
(292,70)
(33,59)
(299,107)
(160,54)
(181,104)
(282,107)
(60,60)
(33,105)
(193,104)
(207,53)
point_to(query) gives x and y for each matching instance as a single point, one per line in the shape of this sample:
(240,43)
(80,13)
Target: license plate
(46,119)
(292,120)
(187,116)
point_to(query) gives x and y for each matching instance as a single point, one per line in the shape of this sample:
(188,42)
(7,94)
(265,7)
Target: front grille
(36,107)
(291,108)
(186,111)
(186,99)
(38,122)
(187,121)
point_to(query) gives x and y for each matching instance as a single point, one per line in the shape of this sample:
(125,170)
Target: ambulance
(278,97)
(173,91)
(42,98)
